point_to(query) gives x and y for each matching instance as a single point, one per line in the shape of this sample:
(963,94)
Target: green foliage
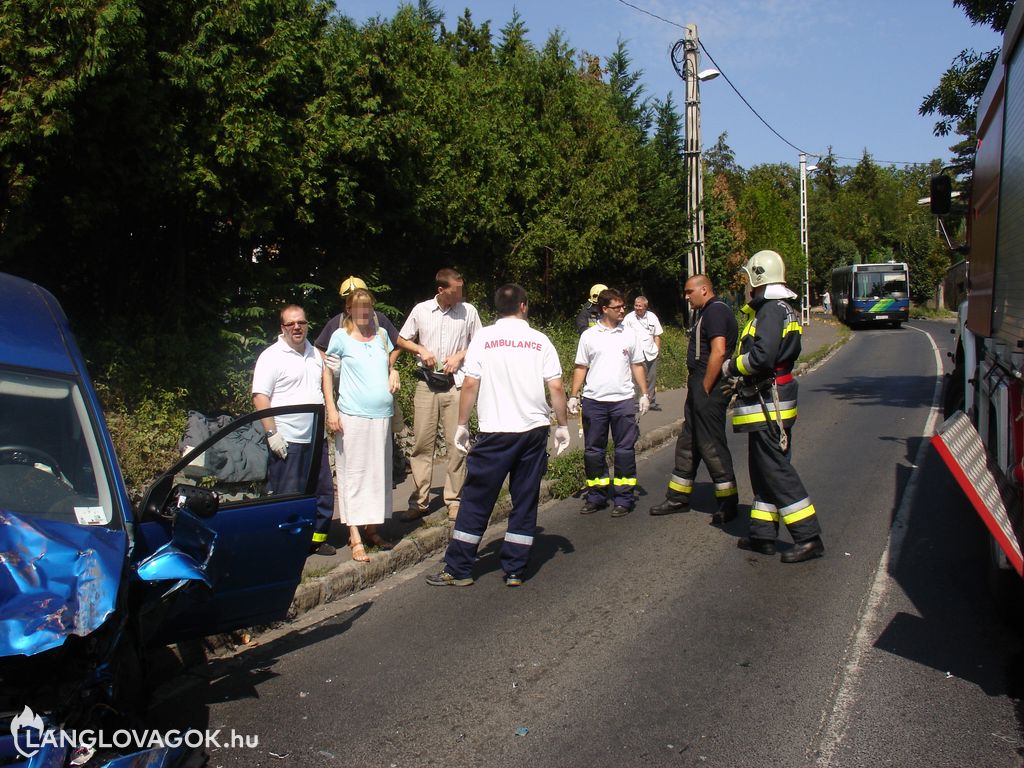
(567,474)
(176,172)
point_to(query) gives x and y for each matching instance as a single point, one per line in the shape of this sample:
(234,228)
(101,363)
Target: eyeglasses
(295,323)
(616,306)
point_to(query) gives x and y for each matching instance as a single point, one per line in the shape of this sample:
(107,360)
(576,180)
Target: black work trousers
(779,493)
(703,439)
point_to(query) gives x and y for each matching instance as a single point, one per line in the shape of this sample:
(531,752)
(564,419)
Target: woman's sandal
(359,553)
(378,541)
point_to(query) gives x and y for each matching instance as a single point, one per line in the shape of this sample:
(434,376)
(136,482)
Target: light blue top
(363,389)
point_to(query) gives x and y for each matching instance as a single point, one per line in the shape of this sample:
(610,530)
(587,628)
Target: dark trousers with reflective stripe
(598,418)
(288,475)
(522,456)
(703,438)
(778,491)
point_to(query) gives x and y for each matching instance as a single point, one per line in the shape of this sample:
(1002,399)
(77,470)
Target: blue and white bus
(864,294)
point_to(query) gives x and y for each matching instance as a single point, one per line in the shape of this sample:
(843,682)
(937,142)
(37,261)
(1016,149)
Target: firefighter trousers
(523,457)
(778,492)
(598,418)
(703,438)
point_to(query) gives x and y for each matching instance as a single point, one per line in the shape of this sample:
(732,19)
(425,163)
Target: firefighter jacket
(766,352)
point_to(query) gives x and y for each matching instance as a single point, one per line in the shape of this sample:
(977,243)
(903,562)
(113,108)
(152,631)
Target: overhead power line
(750,106)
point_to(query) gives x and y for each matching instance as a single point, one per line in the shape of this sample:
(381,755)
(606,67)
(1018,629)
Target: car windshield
(50,460)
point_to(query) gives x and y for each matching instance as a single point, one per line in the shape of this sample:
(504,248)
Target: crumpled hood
(56,579)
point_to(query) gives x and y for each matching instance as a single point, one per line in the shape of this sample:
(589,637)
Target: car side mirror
(163,501)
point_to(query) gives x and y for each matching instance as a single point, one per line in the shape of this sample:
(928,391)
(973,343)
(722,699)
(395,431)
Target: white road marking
(835,721)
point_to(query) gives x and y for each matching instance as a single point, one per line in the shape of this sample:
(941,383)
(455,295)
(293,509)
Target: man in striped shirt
(438,332)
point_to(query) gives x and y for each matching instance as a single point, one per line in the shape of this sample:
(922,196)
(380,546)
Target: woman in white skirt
(361,421)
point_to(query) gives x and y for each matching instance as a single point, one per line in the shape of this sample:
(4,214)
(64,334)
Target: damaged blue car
(87,580)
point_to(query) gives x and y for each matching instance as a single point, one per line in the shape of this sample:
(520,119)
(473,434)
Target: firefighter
(702,437)
(589,313)
(761,372)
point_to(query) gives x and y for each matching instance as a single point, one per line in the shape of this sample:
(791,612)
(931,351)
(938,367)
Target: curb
(422,543)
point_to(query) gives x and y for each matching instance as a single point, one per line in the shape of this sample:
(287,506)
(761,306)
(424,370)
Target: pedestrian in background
(712,339)
(361,420)
(438,331)
(647,327)
(589,313)
(826,302)
(766,408)
(291,372)
(608,359)
(506,368)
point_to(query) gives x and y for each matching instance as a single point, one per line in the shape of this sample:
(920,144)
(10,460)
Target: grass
(922,312)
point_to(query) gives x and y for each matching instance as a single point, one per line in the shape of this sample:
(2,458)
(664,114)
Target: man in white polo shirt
(647,327)
(438,332)
(290,372)
(506,367)
(608,358)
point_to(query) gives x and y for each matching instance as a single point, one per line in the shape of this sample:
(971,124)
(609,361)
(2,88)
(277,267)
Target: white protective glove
(462,438)
(644,405)
(727,372)
(561,440)
(573,405)
(278,445)
(334,363)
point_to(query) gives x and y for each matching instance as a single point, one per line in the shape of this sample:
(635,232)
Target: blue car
(87,580)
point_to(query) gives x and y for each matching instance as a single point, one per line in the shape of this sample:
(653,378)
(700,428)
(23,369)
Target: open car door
(216,549)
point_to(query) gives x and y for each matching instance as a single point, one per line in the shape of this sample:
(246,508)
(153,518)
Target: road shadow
(895,391)
(545,547)
(182,695)
(941,566)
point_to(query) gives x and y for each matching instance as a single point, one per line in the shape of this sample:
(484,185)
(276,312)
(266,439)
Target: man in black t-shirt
(712,340)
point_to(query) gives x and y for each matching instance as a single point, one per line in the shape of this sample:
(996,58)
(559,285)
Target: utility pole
(692,153)
(685,55)
(805,300)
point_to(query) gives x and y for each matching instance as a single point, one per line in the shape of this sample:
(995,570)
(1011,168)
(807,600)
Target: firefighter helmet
(349,284)
(764,268)
(595,291)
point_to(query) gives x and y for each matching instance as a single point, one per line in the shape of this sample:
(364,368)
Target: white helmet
(764,268)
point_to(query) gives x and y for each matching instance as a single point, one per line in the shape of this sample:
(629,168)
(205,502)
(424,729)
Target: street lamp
(805,301)
(686,67)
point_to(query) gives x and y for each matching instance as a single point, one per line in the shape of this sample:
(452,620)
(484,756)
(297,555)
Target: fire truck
(982,439)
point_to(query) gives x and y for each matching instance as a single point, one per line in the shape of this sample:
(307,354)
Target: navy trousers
(288,475)
(522,456)
(598,418)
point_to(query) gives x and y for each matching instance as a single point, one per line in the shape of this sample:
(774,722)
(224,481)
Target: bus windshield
(879,285)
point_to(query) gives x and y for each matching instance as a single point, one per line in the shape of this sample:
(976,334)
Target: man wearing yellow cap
(348,285)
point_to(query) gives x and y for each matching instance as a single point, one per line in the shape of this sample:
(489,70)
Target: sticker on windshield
(91,515)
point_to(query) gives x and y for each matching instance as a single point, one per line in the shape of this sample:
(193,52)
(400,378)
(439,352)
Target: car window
(235,465)
(51,465)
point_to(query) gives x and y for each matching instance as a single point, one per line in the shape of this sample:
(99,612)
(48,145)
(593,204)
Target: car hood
(56,579)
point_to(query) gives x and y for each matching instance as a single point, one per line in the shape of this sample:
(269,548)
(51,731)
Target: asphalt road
(654,641)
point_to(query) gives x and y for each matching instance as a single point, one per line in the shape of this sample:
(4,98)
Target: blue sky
(849,75)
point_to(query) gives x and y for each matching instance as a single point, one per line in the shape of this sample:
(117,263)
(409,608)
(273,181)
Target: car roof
(32,327)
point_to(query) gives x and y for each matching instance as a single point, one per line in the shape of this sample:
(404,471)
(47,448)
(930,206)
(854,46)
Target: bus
(865,294)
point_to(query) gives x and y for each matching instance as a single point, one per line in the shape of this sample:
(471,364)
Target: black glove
(730,386)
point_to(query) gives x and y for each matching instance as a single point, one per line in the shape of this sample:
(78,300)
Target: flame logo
(27,720)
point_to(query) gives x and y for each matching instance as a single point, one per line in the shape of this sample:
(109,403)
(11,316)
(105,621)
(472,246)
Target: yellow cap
(595,289)
(349,284)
